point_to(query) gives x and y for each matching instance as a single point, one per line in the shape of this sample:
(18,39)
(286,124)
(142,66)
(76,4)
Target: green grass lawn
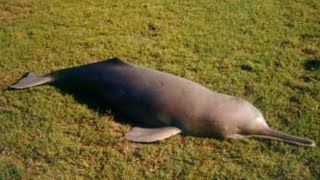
(267,52)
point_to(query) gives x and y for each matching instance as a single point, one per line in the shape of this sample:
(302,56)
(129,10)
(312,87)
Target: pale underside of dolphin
(168,103)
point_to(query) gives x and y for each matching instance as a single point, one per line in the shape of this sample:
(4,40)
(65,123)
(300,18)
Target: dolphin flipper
(31,79)
(149,135)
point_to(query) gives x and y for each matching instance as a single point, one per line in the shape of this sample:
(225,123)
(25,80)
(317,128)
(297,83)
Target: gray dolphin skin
(169,104)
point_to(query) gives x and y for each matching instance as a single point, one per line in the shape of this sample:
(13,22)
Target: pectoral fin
(148,135)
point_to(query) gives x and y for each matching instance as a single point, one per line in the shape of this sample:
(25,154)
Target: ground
(267,52)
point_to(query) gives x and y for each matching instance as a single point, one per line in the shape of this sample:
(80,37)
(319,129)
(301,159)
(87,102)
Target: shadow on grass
(312,65)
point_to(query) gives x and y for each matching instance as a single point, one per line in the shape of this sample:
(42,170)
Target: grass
(267,52)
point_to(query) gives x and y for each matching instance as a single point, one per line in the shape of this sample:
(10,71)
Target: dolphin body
(168,103)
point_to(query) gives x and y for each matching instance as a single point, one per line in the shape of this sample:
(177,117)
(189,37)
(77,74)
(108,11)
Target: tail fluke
(31,79)
(273,134)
